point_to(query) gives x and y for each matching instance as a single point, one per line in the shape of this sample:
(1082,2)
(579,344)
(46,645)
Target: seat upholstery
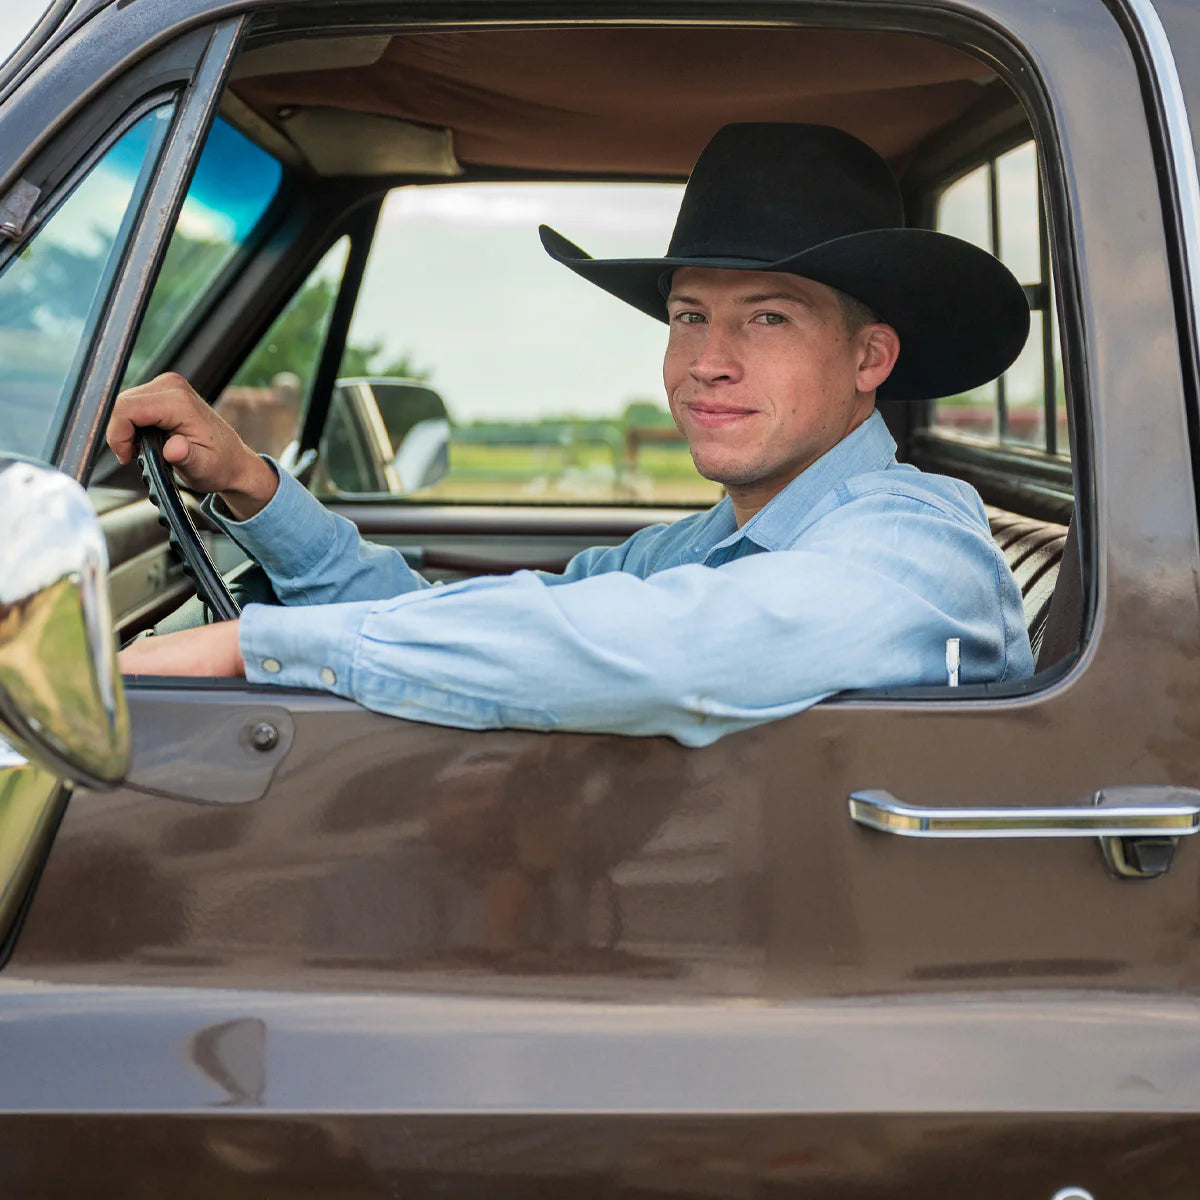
(1034,552)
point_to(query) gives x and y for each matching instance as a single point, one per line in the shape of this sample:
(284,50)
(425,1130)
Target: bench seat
(1034,552)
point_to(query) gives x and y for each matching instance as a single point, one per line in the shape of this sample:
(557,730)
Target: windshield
(553,388)
(234,184)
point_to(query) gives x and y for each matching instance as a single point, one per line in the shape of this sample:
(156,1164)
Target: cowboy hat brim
(961,316)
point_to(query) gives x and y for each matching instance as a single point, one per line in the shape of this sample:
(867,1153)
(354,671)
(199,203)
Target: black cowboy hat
(814,201)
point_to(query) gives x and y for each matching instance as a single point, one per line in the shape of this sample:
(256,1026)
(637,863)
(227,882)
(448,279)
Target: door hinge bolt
(264,736)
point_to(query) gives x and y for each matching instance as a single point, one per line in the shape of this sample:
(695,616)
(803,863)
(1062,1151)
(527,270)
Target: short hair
(855,314)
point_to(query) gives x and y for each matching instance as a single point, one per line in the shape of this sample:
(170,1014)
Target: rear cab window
(997,205)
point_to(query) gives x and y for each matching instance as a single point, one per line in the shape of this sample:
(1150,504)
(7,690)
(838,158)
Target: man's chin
(727,474)
(747,478)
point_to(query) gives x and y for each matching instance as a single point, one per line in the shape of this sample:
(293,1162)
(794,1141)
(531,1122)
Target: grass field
(588,472)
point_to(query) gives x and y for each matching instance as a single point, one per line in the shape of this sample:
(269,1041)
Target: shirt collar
(869,448)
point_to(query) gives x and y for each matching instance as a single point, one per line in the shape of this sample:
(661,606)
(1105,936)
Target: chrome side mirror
(61,698)
(423,456)
(383,437)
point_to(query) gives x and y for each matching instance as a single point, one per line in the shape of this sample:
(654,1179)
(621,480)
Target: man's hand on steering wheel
(202,448)
(174,431)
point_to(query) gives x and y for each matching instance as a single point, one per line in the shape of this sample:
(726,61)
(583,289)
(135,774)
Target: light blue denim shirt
(853,576)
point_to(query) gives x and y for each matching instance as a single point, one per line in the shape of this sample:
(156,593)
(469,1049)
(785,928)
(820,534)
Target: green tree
(190,265)
(293,343)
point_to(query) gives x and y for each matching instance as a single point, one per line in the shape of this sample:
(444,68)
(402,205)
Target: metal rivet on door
(264,736)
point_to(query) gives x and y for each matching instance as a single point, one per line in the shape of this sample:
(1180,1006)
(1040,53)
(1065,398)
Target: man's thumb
(176,450)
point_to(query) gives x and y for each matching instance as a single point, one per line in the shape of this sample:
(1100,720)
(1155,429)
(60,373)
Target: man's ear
(879,347)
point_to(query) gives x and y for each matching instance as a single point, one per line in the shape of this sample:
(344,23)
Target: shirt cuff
(302,647)
(287,535)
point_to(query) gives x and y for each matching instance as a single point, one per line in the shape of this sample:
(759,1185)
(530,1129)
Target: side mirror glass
(383,436)
(61,698)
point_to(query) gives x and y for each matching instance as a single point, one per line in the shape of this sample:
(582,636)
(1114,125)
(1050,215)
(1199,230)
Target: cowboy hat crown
(814,201)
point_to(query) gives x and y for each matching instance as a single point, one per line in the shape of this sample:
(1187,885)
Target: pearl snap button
(272,666)
(328,676)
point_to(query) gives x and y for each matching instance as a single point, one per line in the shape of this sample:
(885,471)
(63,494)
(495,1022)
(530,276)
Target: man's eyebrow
(767,297)
(757,298)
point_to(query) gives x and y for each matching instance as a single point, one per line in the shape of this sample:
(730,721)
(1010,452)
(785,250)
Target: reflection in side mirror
(383,436)
(60,694)
(423,457)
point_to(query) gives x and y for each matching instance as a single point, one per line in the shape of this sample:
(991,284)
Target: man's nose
(718,360)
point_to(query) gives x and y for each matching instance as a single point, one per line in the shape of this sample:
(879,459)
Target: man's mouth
(717,416)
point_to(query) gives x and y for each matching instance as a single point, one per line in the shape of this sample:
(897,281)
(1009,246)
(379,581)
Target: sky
(458,280)
(20,16)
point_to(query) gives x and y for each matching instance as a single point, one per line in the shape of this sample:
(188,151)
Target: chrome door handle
(1113,812)
(1138,826)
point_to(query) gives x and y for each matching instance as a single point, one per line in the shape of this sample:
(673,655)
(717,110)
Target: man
(794,297)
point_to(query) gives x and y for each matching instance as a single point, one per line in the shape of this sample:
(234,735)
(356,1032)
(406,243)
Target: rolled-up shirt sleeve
(693,652)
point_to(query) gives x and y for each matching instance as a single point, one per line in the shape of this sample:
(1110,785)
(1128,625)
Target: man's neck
(750,499)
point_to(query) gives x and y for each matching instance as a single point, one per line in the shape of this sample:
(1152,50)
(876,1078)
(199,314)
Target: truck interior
(353,131)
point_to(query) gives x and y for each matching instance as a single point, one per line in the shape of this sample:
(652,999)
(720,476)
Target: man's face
(762,375)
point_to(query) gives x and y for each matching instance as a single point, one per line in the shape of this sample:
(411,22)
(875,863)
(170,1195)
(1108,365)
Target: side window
(53,292)
(234,184)
(553,390)
(997,206)
(266,400)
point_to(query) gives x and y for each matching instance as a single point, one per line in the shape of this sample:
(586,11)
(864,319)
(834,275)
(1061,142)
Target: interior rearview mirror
(61,698)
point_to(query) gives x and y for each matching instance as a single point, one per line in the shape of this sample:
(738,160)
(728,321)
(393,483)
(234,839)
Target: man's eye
(688,317)
(771,318)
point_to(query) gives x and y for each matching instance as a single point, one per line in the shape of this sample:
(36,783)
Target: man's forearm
(209,650)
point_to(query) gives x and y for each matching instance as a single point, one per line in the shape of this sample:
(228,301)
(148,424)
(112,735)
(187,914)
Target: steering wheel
(181,532)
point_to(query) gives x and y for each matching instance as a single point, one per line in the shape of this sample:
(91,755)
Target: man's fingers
(203,448)
(132,412)
(167,401)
